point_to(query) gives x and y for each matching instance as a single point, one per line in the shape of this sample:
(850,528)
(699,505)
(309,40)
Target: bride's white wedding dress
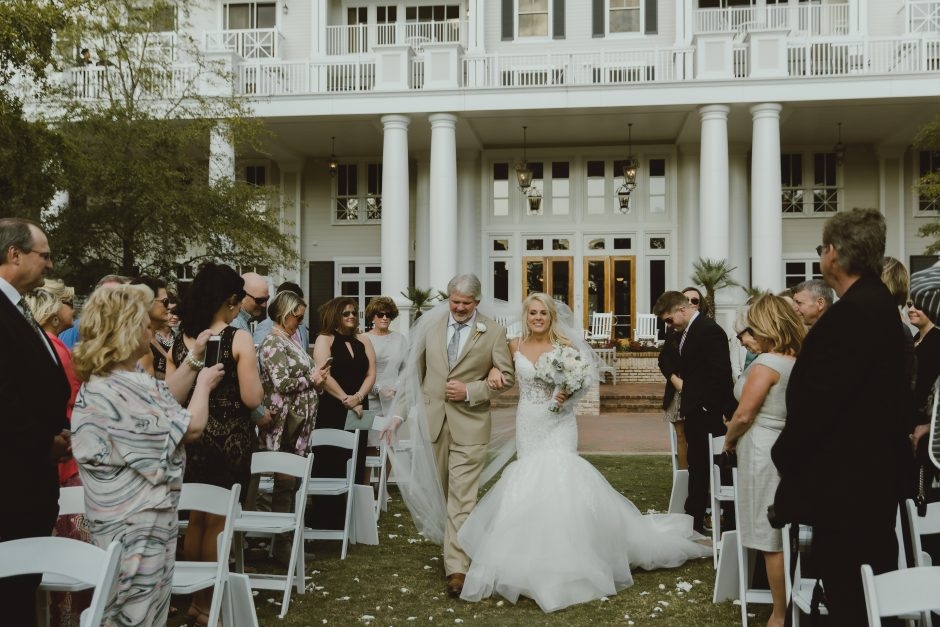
(552,528)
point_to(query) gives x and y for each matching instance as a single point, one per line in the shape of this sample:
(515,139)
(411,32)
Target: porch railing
(358,38)
(803,20)
(255,43)
(873,56)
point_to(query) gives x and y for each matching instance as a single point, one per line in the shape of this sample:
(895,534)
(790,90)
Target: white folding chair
(378,474)
(335,486)
(680,476)
(273,523)
(799,589)
(190,577)
(601,327)
(901,593)
(646,328)
(607,356)
(71,501)
(719,493)
(926,526)
(746,560)
(66,560)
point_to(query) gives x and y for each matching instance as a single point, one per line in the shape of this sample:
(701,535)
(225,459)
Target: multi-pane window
(791,182)
(624,16)
(358,200)
(347,193)
(386,14)
(657,186)
(561,189)
(500,260)
(362,282)
(244,15)
(825,187)
(256,175)
(501,189)
(374,192)
(533,18)
(795,272)
(596,187)
(929,164)
(432,13)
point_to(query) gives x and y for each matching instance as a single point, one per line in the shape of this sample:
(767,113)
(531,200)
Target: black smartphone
(213,350)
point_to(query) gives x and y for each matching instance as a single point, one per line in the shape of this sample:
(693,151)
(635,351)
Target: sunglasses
(69,303)
(385,314)
(745,330)
(350,314)
(165,301)
(262,300)
(910,305)
(693,301)
(821,248)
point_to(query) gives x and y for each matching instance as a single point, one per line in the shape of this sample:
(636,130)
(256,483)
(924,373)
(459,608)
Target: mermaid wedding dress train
(552,528)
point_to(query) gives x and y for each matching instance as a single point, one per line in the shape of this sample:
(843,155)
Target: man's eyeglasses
(693,301)
(350,314)
(385,314)
(47,256)
(259,300)
(744,331)
(164,301)
(821,248)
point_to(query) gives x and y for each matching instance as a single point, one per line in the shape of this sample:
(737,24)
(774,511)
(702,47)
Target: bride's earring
(55,322)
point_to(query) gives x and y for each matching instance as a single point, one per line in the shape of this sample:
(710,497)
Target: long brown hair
(331,314)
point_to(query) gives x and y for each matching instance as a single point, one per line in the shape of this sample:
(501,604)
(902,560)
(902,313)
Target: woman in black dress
(222,456)
(352,374)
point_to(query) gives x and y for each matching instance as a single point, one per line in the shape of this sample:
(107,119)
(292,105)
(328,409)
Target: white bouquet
(563,368)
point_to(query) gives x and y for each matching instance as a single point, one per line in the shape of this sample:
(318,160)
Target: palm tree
(713,275)
(753,293)
(421,300)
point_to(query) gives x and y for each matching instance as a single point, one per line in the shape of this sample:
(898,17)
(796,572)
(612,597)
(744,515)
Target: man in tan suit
(457,356)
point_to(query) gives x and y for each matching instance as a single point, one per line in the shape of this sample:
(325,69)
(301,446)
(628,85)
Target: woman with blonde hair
(128,436)
(776,335)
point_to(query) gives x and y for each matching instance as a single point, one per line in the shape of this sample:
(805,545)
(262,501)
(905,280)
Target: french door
(610,286)
(552,275)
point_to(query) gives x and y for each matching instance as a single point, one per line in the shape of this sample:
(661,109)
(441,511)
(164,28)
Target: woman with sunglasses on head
(222,456)
(351,377)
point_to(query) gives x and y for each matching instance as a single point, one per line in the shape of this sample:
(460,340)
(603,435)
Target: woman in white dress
(552,528)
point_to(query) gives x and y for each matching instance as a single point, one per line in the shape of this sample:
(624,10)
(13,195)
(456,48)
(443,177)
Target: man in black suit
(843,455)
(704,379)
(33,397)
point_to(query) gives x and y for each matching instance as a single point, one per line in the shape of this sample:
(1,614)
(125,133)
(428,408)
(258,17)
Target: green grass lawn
(401,581)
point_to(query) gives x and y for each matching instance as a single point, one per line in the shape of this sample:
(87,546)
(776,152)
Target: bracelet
(258,413)
(194,363)
(358,397)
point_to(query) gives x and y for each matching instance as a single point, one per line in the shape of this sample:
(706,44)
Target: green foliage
(754,292)
(422,299)
(928,187)
(713,275)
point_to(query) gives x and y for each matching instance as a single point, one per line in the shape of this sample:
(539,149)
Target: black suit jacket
(669,365)
(843,455)
(705,370)
(33,396)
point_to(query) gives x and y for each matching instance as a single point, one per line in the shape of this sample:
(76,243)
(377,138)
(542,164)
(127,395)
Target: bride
(552,528)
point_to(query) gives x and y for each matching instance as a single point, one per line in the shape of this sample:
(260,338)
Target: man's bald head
(256,294)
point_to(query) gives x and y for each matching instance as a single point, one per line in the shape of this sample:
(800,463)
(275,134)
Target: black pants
(838,555)
(697,428)
(18,594)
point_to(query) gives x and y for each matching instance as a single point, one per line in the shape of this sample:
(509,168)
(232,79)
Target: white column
(221,154)
(688,219)
(713,183)
(395,206)
(422,216)
(740,232)
(476,26)
(443,199)
(318,23)
(766,216)
(469,220)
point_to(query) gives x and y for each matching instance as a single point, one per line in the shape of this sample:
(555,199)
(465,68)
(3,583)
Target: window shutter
(597,17)
(558,19)
(320,290)
(650,26)
(508,25)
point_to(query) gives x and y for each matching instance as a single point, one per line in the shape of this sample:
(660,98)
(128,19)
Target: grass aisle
(401,581)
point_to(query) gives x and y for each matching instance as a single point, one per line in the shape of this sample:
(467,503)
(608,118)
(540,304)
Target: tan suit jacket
(468,421)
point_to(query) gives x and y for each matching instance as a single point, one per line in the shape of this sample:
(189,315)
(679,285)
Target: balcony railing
(102,83)
(254,43)
(922,16)
(359,38)
(805,59)
(804,20)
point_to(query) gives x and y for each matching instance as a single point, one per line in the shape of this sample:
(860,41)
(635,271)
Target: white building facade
(750,121)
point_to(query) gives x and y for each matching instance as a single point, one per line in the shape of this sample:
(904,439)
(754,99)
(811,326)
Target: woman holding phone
(222,456)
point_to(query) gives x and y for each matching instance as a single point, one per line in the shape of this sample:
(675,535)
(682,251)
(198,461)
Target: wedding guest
(301,335)
(812,299)
(390,348)
(222,456)
(775,333)
(70,336)
(128,440)
(352,375)
(292,384)
(843,453)
(256,297)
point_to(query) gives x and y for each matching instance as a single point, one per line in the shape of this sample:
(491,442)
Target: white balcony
(250,43)
(922,16)
(804,20)
(359,38)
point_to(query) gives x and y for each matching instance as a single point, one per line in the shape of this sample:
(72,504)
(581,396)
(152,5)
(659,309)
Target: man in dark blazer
(704,379)
(844,454)
(33,396)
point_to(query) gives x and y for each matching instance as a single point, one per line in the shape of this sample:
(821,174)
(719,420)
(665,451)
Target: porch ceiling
(873,122)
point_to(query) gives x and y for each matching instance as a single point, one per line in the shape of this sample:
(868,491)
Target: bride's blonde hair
(555,334)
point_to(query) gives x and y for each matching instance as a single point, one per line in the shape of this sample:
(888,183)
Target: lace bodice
(537,428)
